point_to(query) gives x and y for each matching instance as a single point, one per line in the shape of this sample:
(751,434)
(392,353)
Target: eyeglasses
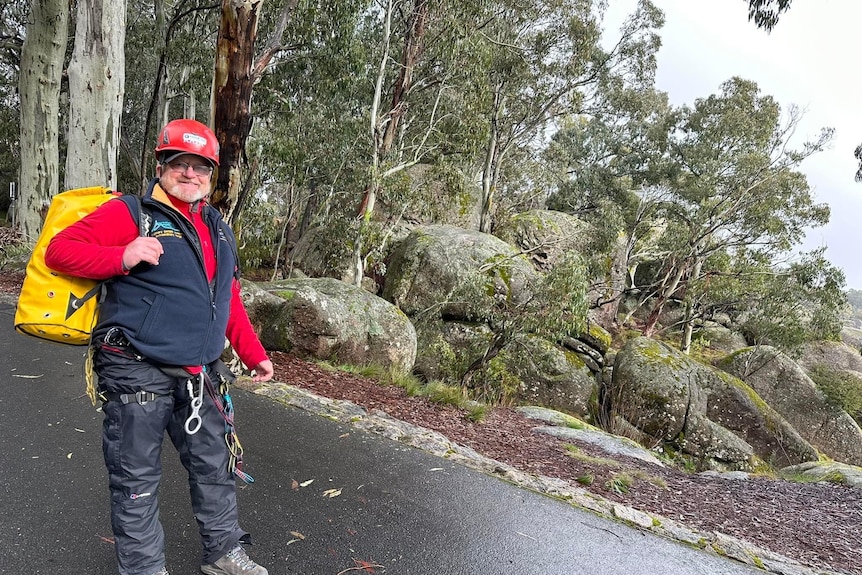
(198,169)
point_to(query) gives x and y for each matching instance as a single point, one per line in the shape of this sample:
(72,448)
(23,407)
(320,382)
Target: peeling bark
(97,77)
(39,87)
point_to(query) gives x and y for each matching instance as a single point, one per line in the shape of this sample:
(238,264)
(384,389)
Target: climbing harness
(195,386)
(193,423)
(140,397)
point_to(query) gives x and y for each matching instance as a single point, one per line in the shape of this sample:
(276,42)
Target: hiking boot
(234,562)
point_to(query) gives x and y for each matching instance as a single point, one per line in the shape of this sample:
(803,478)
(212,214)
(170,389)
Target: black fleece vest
(171,313)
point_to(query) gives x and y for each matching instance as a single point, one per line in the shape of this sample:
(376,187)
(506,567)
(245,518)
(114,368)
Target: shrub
(843,389)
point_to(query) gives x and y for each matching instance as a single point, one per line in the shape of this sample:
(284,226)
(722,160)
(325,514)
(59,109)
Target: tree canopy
(360,116)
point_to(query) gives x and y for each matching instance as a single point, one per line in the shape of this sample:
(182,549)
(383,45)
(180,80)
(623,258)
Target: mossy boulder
(327,319)
(432,268)
(837,355)
(785,386)
(545,235)
(830,471)
(549,375)
(699,410)
(445,349)
(527,370)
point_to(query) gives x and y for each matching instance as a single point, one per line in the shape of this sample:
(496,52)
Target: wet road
(326,498)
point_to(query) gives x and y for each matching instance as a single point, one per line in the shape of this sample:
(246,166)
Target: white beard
(185,193)
(188,197)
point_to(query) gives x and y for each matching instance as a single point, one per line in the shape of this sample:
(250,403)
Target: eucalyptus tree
(541,61)
(239,65)
(781,304)
(734,186)
(170,50)
(13,19)
(41,71)
(308,137)
(411,103)
(96,89)
(606,168)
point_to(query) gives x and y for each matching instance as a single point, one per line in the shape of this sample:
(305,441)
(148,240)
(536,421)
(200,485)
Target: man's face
(186,177)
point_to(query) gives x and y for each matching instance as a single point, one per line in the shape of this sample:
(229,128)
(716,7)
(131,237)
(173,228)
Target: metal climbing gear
(222,400)
(193,423)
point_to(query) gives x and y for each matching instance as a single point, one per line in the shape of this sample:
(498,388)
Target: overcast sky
(810,59)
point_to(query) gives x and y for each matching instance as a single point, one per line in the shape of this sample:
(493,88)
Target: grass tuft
(434,391)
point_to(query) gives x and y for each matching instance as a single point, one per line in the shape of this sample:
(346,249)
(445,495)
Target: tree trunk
(39,87)
(97,78)
(235,77)
(369,197)
(687,329)
(688,325)
(409,56)
(232,90)
(664,295)
(489,176)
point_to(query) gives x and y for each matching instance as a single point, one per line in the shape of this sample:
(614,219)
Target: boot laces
(241,558)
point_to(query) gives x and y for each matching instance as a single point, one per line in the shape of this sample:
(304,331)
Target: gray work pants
(132,436)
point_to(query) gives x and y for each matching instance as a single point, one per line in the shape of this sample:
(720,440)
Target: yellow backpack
(54,306)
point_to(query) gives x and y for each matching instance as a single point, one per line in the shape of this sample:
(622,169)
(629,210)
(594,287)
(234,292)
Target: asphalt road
(326,496)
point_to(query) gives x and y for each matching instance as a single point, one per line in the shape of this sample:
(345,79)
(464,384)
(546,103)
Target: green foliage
(799,303)
(601,159)
(497,383)
(444,394)
(543,62)
(721,207)
(765,13)
(451,363)
(575,452)
(620,483)
(476,411)
(558,308)
(190,29)
(554,308)
(585,479)
(843,389)
(258,231)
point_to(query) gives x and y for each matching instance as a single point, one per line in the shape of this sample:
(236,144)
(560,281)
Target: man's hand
(142,249)
(263,371)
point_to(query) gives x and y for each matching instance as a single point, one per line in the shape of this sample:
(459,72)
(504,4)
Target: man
(173,298)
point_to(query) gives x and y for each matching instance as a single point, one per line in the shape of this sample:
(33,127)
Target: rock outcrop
(783,384)
(715,418)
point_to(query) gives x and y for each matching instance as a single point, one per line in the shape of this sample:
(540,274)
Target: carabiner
(196,403)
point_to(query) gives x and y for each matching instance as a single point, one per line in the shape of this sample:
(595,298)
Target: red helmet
(187,137)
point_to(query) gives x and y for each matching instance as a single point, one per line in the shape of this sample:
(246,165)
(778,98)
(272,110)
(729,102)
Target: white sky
(810,59)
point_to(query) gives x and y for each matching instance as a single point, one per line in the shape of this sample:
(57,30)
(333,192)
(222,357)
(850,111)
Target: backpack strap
(145,221)
(138,212)
(237,273)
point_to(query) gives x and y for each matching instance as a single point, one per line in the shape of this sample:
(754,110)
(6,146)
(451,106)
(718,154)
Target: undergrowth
(434,391)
